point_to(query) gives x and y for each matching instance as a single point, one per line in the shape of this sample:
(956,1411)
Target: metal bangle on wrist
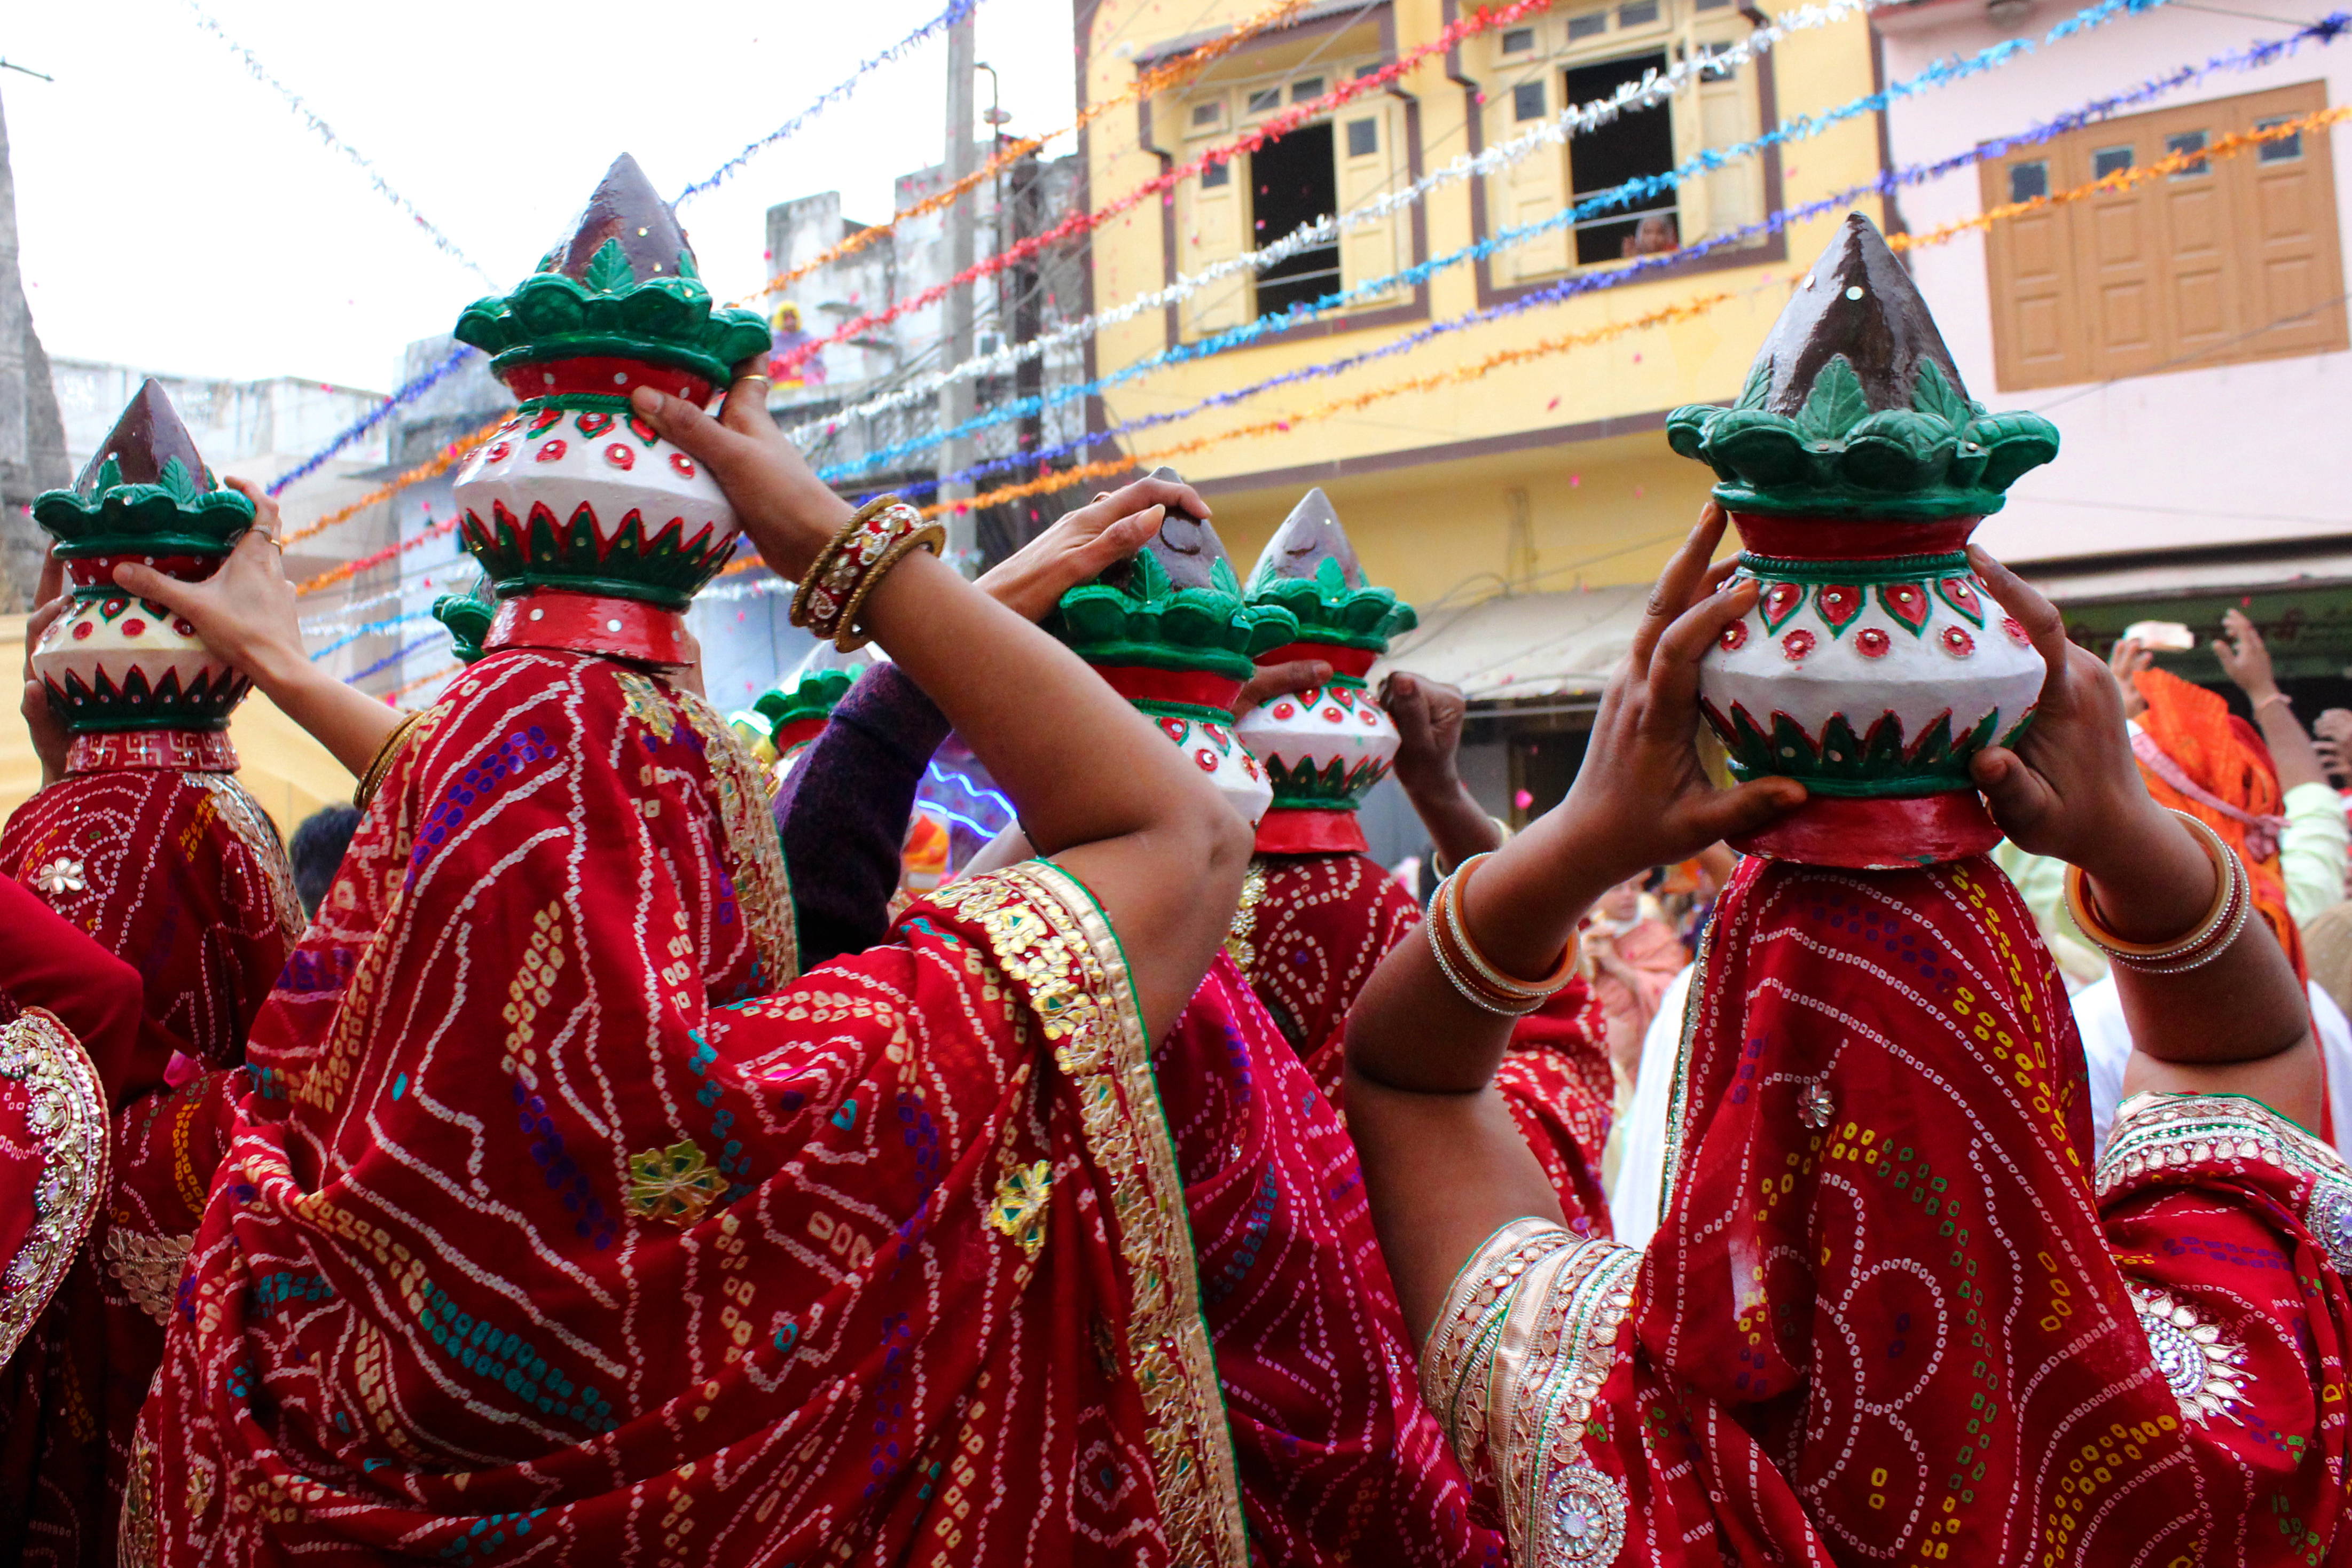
(2213,933)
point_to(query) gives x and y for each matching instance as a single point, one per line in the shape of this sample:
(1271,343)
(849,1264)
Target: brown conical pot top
(148,436)
(1856,301)
(624,207)
(1308,537)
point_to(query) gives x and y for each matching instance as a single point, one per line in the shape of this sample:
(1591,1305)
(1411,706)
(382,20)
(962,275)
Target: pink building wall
(2195,458)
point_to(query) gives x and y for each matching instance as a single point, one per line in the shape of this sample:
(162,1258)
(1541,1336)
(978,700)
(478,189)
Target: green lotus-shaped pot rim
(1329,611)
(812,696)
(667,320)
(1336,787)
(180,514)
(1943,457)
(468,620)
(1153,623)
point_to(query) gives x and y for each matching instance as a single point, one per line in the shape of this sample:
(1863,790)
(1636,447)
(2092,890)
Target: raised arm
(843,814)
(2246,660)
(1445,1165)
(1101,790)
(2236,1025)
(247,614)
(1429,715)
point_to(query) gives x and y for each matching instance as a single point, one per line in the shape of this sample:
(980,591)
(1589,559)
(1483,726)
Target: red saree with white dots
(564,1225)
(1896,1312)
(176,871)
(1311,929)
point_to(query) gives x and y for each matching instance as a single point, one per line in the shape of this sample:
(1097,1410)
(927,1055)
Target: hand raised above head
(1642,798)
(788,512)
(246,612)
(1081,544)
(2070,788)
(1273,681)
(1429,715)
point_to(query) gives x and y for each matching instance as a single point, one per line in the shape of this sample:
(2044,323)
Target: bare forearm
(2154,884)
(2290,748)
(1442,1172)
(351,724)
(1457,825)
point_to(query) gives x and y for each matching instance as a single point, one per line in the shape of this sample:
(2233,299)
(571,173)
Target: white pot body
(1320,727)
(1914,650)
(612,464)
(101,642)
(1220,753)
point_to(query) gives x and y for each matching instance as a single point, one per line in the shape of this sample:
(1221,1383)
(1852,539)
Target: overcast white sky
(174,214)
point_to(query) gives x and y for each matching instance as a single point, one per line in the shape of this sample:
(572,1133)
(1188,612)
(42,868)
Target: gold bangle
(931,536)
(385,755)
(827,586)
(1509,986)
(2227,872)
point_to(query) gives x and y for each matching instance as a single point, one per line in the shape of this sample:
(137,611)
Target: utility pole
(956,397)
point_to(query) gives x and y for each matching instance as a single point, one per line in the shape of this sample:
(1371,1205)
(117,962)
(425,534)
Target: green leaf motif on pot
(667,318)
(1835,405)
(666,570)
(1943,456)
(468,617)
(813,696)
(1333,787)
(180,514)
(1152,621)
(1327,610)
(1879,763)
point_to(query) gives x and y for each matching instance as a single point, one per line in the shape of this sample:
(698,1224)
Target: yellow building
(1551,474)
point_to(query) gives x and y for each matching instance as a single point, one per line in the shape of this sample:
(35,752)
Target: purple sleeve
(842,813)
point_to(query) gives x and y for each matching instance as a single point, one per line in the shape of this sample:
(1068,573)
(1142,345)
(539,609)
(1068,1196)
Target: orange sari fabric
(2195,728)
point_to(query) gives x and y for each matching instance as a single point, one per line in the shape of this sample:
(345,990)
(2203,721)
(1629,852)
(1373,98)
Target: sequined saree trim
(755,852)
(252,827)
(1052,940)
(1528,1337)
(2156,1133)
(65,1111)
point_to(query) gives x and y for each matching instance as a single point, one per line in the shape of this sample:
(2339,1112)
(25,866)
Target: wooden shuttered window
(1211,210)
(2231,259)
(1369,150)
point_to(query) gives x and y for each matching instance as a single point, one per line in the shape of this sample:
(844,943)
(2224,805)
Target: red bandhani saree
(1340,1462)
(1892,1315)
(564,1225)
(176,870)
(1310,930)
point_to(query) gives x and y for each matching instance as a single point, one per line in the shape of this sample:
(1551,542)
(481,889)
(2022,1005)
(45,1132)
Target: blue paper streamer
(2326,30)
(955,12)
(408,392)
(1939,74)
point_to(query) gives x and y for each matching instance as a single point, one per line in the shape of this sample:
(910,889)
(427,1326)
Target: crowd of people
(621,1165)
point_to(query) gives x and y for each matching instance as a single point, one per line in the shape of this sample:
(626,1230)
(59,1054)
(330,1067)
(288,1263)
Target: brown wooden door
(2227,260)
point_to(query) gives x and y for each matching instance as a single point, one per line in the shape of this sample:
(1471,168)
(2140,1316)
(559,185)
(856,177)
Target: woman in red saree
(1895,1312)
(564,1224)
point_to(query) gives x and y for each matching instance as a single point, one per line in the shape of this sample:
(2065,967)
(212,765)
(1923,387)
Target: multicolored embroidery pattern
(776,1369)
(53,1148)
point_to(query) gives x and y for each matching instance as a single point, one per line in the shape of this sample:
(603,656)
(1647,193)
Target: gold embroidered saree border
(2154,1133)
(764,888)
(66,1111)
(251,824)
(1050,937)
(1528,1337)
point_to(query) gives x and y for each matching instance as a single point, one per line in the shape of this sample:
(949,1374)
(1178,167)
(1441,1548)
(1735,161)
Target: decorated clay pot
(1172,633)
(1324,749)
(113,662)
(1875,666)
(781,723)
(575,497)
